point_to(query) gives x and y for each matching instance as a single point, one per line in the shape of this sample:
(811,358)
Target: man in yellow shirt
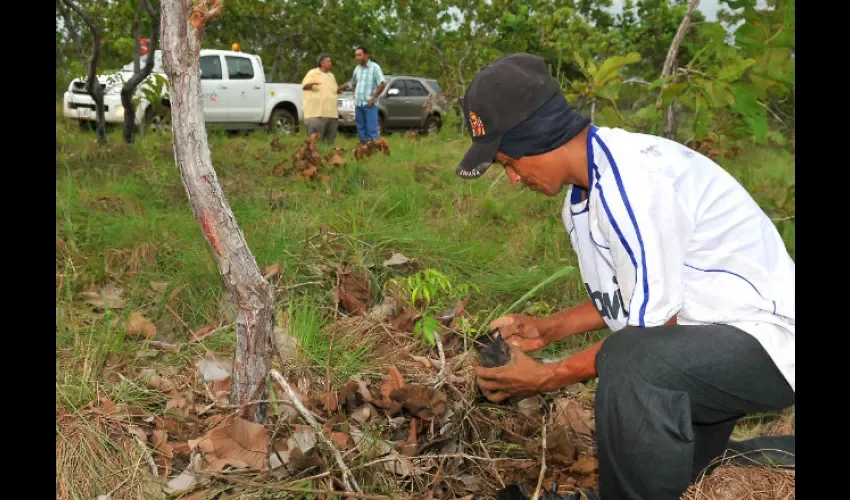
(320,100)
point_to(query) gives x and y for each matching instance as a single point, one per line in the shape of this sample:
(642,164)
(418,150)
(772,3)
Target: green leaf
(702,120)
(719,95)
(610,117)
(579,60)
(747,105)
(673,91)
(715,31)
(735,71)
(610,67)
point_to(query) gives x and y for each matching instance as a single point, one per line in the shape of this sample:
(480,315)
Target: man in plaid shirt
(368,82)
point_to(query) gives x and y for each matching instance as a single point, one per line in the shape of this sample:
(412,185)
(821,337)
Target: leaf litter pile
(418,427)
(307,163)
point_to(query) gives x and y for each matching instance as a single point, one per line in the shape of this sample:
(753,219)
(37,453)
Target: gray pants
(668,399)
(325,127)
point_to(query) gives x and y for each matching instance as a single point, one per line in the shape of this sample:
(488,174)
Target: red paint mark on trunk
(209,228)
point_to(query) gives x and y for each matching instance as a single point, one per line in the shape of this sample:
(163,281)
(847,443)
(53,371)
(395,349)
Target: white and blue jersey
(663,231)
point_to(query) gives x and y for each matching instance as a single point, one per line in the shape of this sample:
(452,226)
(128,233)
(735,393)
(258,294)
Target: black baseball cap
(502,95)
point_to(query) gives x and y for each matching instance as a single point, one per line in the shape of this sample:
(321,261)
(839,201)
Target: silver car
(406,103)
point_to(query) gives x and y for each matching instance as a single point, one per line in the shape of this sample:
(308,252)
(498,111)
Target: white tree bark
(182,29)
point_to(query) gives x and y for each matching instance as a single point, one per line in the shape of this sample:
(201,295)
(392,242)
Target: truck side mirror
(392,92)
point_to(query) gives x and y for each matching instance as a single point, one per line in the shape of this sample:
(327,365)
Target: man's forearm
(378,91)
(579,367)
(580,318)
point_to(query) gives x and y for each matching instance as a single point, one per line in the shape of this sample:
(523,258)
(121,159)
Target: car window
(416,89)
(239,68)
(398,84)
(434,86)
(210,68)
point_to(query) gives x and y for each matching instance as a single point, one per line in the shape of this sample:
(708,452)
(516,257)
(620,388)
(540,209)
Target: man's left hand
(371,102)
(522,377)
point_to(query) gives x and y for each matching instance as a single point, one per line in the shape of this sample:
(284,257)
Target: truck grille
(80,88)
(77,105)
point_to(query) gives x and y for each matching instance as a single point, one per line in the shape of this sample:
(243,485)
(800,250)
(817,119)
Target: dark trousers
(325,127)
(667,401)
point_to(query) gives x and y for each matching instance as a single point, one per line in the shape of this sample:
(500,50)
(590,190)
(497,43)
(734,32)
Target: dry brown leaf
(329,401)
(388,309)
(109,297)
(202,333)
(560,448)
(363,414)
(336,159)
(352,294)
(341,439)
(214,368)
(160,383)
(164,453)
(242,440)
(569,412)
(392,381)
(163,346)
(107,405)
(272,270)
(139,326)
(220,464)
(585,465)
(423,402)
(184,482)
(180,448)
(530,407)
(406,321)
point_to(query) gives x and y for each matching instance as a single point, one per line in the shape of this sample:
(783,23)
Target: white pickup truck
(234,92)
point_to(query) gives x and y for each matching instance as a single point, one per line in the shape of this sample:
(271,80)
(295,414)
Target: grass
(123,216)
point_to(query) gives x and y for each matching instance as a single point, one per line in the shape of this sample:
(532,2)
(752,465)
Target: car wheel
(283,123)
(382,129)
(433,124)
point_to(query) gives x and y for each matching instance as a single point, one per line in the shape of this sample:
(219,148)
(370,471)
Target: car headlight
(346,103)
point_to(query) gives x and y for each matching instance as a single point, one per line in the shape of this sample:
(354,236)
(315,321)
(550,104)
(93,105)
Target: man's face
(360,56)
(540,173)
(326,64)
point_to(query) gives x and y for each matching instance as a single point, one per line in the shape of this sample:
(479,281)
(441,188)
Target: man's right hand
(525,332)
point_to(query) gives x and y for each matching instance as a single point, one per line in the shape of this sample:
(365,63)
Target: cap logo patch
(475,124)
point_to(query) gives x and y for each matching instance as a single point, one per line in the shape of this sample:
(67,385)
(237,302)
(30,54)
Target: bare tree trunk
(137,32)
(462,86)
(182,29)
(72,31)
(92,85)
(275,62)
(139,75)
(670,114)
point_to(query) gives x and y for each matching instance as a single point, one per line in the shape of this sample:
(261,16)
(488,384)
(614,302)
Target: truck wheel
(433,124)
(159,120)
(283,123)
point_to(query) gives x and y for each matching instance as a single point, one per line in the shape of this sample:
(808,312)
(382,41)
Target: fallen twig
(542,463)
(146,454)
(441,376)
(347,479)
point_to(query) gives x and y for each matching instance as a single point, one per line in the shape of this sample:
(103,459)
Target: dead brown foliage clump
(308,163)
(733,482)
(368,149)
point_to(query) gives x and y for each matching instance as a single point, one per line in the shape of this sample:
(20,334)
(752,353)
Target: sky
(708,7)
